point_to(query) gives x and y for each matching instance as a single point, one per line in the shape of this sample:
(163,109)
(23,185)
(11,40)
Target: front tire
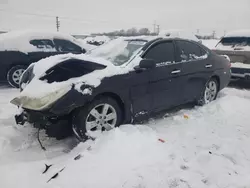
(14,75)
(210,92)
(102,114)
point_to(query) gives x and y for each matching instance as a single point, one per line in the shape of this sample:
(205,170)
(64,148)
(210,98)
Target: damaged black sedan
(120,82)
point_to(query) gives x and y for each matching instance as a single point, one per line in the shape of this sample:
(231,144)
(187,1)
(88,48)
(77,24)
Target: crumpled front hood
(47,63)
(44,90)
(53,77)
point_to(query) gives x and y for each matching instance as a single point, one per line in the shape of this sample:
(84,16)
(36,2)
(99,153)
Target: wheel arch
(118,99)
(14,65)
(217,78)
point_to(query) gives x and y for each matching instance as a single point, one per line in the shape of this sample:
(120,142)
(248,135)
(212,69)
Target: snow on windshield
(119,51)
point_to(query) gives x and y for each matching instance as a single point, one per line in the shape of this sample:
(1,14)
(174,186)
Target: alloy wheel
(210,91)
(17,75)
(101,117)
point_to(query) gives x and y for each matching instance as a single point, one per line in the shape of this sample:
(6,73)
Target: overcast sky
(86,16)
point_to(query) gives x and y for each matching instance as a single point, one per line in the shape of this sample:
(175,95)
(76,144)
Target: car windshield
(236,41)
(119,51)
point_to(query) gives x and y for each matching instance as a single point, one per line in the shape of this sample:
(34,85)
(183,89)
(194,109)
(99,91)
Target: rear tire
(102,114)
(210,92)
(14,75)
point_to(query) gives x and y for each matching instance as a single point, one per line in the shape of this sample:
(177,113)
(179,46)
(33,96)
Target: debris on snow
(161,140)
(46,168)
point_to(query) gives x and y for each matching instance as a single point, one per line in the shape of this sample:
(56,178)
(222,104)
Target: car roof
(28,34)
(20,40)
(238,33)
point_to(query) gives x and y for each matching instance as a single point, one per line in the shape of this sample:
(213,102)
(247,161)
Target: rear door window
(189,51)
(42,44)
(66,46)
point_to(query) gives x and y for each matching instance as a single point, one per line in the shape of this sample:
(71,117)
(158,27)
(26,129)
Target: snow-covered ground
(204,147)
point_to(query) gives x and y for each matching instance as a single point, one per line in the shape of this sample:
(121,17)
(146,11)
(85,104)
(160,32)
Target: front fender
(72,100)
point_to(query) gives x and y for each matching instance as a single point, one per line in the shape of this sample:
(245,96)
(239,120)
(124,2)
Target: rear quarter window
(42,44)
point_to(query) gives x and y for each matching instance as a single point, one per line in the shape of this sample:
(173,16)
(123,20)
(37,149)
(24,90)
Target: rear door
(196,68)
(165,83)
(45,48)
(65,46)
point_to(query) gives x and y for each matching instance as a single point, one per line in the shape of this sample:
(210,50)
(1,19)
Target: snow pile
(176,33)
(238,33)
(85,45)
(99,39)
(204,147)
(20,40)
(141,151)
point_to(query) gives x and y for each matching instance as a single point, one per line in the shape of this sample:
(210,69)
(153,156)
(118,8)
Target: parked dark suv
(19,49)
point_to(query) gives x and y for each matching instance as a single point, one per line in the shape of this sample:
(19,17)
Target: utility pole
(213,34)
(197,31)
(158,29)
(225,32)
(154,26)
(57,23)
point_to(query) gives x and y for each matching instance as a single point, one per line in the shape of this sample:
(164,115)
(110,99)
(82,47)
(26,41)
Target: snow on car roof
(176,33)
(239,33)
(101,38)
(20,40)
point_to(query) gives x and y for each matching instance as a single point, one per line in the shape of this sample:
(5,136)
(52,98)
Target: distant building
(2,32)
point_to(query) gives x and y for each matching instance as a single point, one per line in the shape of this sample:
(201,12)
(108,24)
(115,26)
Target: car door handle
(175,71)
(208,65)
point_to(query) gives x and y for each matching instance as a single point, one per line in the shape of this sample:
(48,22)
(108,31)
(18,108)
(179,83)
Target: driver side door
(165,82)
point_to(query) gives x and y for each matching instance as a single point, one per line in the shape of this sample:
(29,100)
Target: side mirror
(146,64)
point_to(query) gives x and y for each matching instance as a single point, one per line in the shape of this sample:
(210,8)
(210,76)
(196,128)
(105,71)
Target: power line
(26,13)
(85,21)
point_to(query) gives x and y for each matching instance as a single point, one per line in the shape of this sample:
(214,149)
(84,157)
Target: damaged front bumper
(56,118)
(39,119)
(55,126)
